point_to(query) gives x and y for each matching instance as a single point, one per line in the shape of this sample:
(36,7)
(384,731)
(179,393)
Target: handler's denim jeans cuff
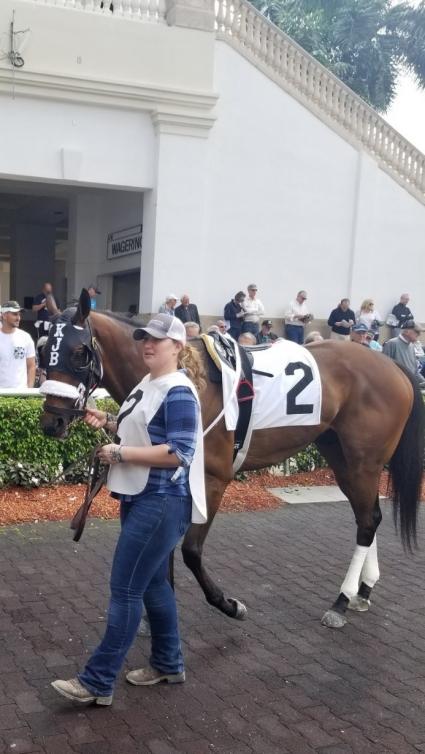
(152,525)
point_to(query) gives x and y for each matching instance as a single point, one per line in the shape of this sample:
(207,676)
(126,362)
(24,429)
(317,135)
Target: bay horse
(372,415)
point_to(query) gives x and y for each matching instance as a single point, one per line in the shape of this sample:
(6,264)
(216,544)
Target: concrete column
(85,242)
(32,259)
(174,222)
(193,14)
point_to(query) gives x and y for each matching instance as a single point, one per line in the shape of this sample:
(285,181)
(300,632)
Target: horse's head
(73,368)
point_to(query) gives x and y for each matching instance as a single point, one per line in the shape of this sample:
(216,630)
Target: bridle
(80,394)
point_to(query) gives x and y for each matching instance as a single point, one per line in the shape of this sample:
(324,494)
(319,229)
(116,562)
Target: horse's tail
(406,468)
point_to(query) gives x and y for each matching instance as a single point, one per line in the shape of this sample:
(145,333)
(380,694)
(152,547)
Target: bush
(30,458)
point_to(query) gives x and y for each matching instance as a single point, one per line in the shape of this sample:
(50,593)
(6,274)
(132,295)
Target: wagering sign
(123,242)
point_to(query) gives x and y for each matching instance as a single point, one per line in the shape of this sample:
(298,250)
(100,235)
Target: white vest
(131,478)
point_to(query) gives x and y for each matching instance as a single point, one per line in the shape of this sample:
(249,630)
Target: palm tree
(363,42)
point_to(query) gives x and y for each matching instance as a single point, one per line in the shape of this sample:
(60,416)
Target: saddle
(222,350)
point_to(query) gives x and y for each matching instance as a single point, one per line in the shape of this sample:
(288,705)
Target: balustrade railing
(238,22)
(143,10)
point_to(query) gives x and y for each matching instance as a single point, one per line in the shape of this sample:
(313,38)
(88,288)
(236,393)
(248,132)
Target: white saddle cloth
(291,397)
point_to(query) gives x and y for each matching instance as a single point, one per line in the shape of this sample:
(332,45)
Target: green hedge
(30,458)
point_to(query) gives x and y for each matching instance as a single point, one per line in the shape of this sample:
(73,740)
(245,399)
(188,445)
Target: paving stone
(279,683)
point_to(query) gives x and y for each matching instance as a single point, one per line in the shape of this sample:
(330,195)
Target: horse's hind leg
(360,486)
(192,555)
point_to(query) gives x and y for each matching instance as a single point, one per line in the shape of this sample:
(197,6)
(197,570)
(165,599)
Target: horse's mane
(133,321)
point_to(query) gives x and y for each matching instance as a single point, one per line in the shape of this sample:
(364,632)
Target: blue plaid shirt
(175,424)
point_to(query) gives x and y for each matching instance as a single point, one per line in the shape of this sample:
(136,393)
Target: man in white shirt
(297,316)
(17,352)
(254,310)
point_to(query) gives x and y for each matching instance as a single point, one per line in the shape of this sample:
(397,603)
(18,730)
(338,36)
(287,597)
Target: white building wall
(292,205)
(71,143)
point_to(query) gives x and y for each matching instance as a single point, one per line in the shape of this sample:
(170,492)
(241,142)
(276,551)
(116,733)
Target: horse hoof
(144,628)
(359,604)
(332,619)
(240,611)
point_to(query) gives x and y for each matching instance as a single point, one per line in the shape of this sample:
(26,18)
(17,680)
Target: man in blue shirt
(93,292)
(341,320)
(234,313)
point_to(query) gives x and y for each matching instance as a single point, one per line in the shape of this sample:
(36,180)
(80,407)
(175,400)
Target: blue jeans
(295,333)
(151,527)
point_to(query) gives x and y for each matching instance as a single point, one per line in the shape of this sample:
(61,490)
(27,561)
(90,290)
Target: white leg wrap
(350,585)
(370,570)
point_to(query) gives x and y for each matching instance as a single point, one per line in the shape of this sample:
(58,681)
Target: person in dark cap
(234,313)
(359,334)
(157,473)
(93,292)
(266,335)
(402,350)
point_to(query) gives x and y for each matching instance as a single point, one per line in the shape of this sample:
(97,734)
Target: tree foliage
(363,42)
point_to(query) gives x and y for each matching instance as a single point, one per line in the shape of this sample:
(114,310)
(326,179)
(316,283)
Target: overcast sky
(407,113)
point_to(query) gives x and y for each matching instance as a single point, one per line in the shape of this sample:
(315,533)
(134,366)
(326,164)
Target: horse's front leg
(192,547)
(362,574)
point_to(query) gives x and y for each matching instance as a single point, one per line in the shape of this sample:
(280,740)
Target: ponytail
(190,360)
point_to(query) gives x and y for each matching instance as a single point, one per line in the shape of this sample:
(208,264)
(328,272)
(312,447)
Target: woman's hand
(110,454)
(95,418)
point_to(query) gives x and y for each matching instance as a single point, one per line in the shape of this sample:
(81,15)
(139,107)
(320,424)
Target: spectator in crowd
(400,313)
(42,322)
(234,313)
(17,352)
(93,292)
(341,320)
(266,335)
(371,342)
(254,309)
(359,334)
(192,329)
(402,350)
(187,312)
(247,339)
(313,337)
(222,326)
(297,316)
(170,305)
(370,317)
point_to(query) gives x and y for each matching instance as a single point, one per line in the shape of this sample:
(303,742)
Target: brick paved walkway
(277,683)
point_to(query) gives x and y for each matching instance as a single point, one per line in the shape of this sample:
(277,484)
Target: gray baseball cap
(162,326)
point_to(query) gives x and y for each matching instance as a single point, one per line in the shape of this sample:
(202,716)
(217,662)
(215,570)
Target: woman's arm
(158,456)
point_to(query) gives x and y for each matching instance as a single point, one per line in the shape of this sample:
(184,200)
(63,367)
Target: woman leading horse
(372,415)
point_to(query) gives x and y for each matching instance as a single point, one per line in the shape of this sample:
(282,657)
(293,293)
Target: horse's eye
(80,358)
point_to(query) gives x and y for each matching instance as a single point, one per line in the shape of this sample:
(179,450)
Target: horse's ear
(83,308)
(51,305)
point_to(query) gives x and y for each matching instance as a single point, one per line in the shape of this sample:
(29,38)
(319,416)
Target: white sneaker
(76,692)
